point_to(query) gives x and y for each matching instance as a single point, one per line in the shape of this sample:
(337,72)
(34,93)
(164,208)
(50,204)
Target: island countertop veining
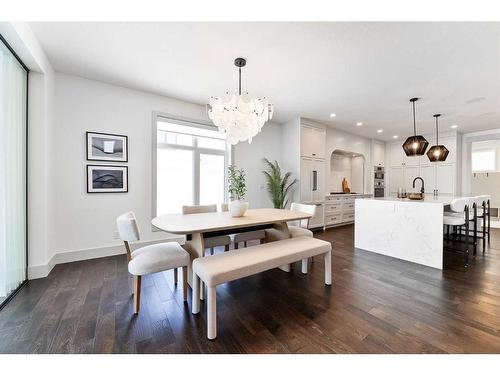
(407,229)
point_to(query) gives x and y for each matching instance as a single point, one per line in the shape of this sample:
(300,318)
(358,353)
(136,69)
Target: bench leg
(211,313)
(328,268)
(304,266)
(195,308)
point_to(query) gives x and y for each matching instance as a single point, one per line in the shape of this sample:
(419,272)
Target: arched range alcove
(348,165)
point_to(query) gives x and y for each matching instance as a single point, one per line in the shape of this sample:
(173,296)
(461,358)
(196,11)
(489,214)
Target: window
(190,165)
(483,161)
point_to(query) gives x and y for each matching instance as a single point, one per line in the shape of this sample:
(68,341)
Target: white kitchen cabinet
(396,155)
(396,179)
(312,142)
(446,178)
(312,180)
(441,176)
(378,154)
(428,173)
(411,171)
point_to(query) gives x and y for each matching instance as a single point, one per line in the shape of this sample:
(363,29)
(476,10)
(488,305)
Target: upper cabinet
(442,176)
(312,141)
(378,154)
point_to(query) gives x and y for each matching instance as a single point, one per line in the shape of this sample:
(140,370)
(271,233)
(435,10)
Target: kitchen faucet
(422,190)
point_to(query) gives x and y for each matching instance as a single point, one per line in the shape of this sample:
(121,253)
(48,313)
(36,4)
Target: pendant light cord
(414,124)
(239,81)
(437,132)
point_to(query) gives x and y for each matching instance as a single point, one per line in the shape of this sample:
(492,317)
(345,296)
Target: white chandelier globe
(240,117)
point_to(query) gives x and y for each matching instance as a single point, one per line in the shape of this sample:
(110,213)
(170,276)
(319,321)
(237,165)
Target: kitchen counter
(442,200)
(347,195)
(406,229)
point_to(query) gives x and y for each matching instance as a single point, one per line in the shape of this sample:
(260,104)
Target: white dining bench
(233,265)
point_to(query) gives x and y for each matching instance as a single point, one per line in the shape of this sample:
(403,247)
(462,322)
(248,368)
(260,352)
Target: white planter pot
(238,208)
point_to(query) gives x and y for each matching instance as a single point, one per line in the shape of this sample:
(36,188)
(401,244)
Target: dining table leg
(283,227)
(196,248)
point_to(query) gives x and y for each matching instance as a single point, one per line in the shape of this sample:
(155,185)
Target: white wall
(82,225)
(266,144)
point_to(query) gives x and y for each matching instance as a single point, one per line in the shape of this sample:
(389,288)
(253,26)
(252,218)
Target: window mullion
(196,171)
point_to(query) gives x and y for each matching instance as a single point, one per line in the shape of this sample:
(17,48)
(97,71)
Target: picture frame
(106,147)
(107,179)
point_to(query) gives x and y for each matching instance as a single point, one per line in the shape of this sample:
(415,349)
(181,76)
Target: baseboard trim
(39,271)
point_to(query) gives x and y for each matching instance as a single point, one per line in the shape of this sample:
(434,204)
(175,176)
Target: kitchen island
(406,229)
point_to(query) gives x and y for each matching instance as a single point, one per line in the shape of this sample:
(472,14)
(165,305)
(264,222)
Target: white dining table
(197,227)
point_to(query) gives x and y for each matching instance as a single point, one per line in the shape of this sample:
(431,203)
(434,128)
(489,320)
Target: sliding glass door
(13,121)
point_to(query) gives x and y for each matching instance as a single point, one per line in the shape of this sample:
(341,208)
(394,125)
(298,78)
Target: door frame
(15,291)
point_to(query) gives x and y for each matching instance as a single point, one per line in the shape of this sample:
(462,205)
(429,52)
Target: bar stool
(460,217)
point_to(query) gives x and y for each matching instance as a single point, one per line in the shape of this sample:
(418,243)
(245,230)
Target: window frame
(228,155)
(485,150)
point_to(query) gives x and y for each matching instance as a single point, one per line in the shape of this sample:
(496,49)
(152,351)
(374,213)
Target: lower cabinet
(340,209)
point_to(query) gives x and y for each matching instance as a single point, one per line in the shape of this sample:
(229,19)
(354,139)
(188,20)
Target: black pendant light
(416,144)
(437,152)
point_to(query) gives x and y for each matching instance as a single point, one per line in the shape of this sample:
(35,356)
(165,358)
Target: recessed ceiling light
(332,115)
(454,126)
(395,136)
(379,131)
(359,124)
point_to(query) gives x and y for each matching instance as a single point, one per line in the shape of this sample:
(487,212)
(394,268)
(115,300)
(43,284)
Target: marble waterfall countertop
(443,200)
(406,229)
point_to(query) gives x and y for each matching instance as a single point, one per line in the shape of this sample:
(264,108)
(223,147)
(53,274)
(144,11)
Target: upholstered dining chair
(210,242)
(300,230)
(150,259)
(237,238)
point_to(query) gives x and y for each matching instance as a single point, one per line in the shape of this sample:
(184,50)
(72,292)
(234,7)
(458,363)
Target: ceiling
(363,72)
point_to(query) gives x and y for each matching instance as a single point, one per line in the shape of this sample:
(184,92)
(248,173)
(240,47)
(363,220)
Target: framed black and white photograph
(107,147)
(107,179)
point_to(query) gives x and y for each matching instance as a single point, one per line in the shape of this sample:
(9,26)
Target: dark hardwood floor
(375,305)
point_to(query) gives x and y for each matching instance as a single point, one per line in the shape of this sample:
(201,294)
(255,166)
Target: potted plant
(237,190)
(278,186)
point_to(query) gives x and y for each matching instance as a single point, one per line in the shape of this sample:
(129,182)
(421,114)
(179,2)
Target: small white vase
(238,208)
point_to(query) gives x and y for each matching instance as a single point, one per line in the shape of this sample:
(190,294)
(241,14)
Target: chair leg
(483,221)
(212,313)
(195,306)
(185,283)
(211,251)
(202,290)
(245,243)
(226,248)
(236,245)
(175,276)
(467,243)
(304,266)
(328,268)
(137,294)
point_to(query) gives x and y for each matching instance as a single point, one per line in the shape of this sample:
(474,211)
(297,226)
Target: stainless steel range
(379,182)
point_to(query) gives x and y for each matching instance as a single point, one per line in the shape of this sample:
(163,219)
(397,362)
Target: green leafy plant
(237,184)
(278,186)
